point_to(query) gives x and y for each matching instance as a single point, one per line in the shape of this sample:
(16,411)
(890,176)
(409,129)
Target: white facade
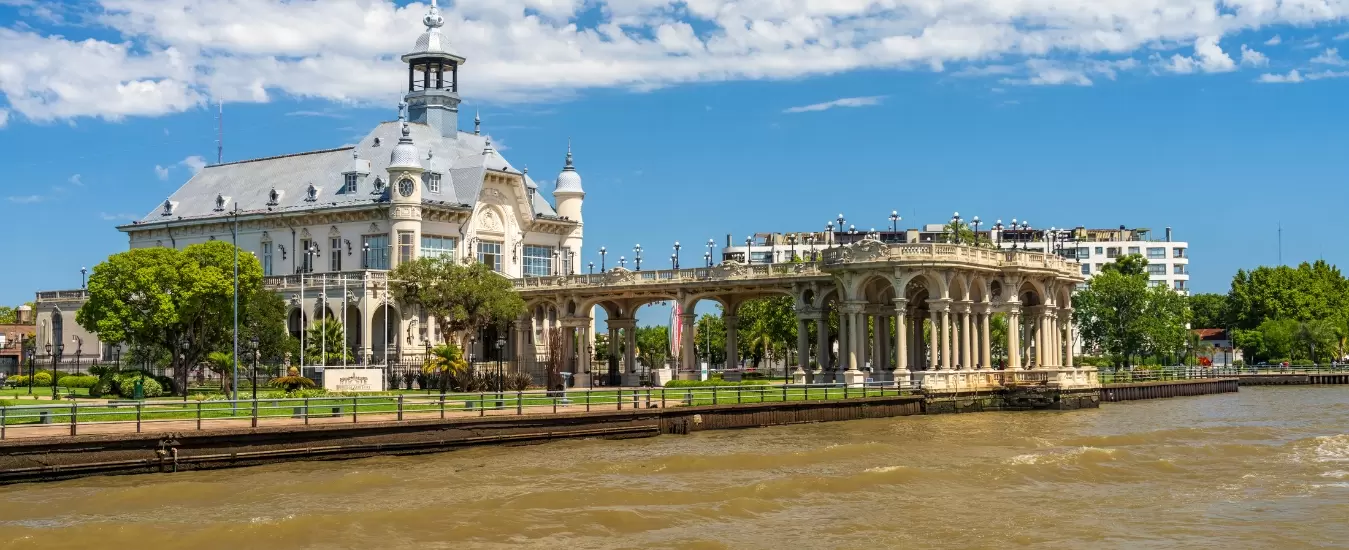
(327,225)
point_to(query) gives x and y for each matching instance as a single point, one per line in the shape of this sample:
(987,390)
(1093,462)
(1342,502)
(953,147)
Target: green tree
(179,301)
(8,315)
(710,338)
(601,348)
(1164,317)
(323,343)
(1128,264)
(1208,310)
(222,363)
(1120,315)
(264,317)
(1317,338)
(764,326)
(653,345)
(462,297)
(997,328)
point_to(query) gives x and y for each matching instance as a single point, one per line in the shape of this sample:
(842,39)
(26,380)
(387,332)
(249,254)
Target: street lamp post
(676,255)
(710,246)
(365,256)
(749,257)
(501,342)
(623,262)
(253,347)
(1013,228)
(32,354)
(998,226)
(791,239)
(976,222)
(955,227)
(637,250)
(707,258)
(60,351)
(674,261)
(894,221)
(592,268)
(83,271)
(603,251)
(79,347)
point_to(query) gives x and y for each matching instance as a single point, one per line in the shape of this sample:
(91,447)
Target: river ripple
(1264,468)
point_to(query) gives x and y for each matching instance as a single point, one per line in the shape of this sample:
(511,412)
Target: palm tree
(446,360)
(324,343)
(222,363)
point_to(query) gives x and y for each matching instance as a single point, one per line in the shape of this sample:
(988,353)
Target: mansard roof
(250,183)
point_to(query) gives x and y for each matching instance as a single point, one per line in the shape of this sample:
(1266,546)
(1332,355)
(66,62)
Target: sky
(700,119)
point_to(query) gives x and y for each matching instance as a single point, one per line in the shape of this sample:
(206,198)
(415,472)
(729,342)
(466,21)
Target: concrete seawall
(1294,379)
(45,459)
(70,457)
(1113,393)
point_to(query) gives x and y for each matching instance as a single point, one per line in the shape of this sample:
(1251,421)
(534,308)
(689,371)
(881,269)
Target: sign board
(353,380)
(702,372)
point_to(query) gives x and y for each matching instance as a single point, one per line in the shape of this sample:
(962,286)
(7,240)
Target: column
(919,343)
(584,353)
(1013,338)
(967,339)
(865,345)
(884,361)
(367,330)
(688,353)
(630,349)
(732,341)
(1039,337)
(822,341)
(986,342)
(901,338)
(933,334)
(614,345)
(953,335)
(946,327)
(844,339)
(859,329)
(1068,337)
(802,343)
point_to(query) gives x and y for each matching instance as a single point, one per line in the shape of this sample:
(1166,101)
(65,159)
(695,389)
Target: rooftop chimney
(23,315)
(1168,234)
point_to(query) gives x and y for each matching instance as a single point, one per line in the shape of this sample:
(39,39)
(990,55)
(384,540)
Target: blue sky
(107,106)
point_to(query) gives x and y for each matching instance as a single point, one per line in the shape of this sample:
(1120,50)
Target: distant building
(1168,260)
(13,337)
(1216,346)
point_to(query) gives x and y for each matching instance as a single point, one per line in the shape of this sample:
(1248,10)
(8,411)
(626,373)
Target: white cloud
(868,101)
(194,163)
(1330,57)
(4,117)
(115,217)
(1293,76)
(1342,36)
(161,172)
(151,57)
(1252,58)
(1208,57)
(75,180)
(26,199)
(1275,41)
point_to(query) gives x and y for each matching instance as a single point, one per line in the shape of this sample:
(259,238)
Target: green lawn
(416,402)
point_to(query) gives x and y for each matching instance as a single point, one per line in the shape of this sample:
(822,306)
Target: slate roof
(249,183)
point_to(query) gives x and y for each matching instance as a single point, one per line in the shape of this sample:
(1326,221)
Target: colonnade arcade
(888,313)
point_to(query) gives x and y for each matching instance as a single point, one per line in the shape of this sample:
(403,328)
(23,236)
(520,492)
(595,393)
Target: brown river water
(1264,468)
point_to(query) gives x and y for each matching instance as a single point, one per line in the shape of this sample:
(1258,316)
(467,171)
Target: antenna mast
(220,133)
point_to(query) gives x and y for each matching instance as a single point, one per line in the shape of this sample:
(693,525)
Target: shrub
(711,383)
(518,381)
(17,380)
(1238,363)
(42,379)
(303,393)
(77,381)
(127,387)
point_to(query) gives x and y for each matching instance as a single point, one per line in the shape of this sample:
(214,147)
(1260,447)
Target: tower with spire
(568,194)
(405,194)
(433,78)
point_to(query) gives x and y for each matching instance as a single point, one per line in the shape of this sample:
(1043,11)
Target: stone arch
(353,327)
(385,337)
(1032,293)
(959,286)
(296,321)
(979,290)
(925,282)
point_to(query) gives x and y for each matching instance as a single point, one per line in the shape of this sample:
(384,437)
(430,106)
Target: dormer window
(379,185)
(219,203)
(311,194)
(168,208)
(349,182)
(377,142)
(273,197)
(433,182)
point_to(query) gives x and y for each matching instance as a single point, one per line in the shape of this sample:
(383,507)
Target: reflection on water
(1265,468)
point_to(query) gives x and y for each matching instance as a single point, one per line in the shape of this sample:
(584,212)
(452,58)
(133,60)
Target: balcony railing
(334,279)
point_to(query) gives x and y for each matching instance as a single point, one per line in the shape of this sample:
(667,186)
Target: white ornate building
(327,225)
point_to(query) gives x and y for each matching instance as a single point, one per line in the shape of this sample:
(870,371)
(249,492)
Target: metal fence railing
(1154,374)
(73,417)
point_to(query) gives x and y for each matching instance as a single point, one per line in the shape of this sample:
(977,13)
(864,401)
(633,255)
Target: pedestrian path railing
(75,417)
(1108,375)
